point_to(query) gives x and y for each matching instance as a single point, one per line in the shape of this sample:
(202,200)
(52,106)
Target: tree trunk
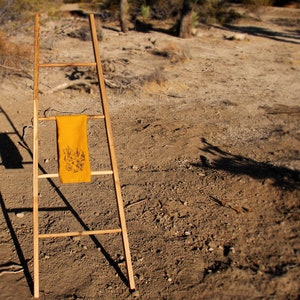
(186,20)
(124,15)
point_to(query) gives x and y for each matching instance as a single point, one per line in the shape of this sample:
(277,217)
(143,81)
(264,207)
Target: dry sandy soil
(207,139)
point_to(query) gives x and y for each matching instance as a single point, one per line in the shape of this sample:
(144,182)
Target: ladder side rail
(35,158)
(112,155)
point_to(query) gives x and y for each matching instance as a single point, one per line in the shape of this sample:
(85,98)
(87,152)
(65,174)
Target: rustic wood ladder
(113,163)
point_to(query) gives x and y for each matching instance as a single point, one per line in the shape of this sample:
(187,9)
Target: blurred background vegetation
(206,10)
(17,15)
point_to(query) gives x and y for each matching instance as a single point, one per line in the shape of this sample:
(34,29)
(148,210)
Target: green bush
(145,11)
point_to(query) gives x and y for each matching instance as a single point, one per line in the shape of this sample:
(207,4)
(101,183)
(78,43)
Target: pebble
(20,215)
(212,244)
(201,174)
(269,181)
(134,167)
(235,37)
(139,277)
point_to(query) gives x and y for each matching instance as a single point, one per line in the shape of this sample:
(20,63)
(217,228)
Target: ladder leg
(112,153)
(35,161)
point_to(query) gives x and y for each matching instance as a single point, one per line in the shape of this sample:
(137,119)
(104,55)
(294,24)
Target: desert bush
(145,11)
(174,52)
(23,10)
(15,10)
(216,11)
(157,76)
(256,6)
(162,10)
(14,59)
(258,3)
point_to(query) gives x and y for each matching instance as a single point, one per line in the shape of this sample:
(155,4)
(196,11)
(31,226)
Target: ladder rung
(54,175)
(69,64)
(53,117)
(79,233)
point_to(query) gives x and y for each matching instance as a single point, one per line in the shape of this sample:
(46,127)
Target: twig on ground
(18,72)
(134,203)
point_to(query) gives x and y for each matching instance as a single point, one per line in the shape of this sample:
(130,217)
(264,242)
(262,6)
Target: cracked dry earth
(207,139)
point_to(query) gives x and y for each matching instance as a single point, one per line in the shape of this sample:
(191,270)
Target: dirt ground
(207,139)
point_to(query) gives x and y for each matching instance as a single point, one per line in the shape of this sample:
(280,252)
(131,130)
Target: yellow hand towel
(73,154)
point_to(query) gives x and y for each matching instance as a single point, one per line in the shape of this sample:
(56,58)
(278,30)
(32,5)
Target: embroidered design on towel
(74,159)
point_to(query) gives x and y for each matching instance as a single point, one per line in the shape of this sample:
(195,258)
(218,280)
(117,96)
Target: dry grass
(174,52)
(14,59)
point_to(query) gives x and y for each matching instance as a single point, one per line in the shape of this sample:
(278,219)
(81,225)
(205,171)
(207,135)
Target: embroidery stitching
(74,159)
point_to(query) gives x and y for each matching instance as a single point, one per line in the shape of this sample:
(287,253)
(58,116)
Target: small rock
(134,167)
(212,244)
(139,277)
(76,238)
(269,181)
(235,37)
(20,215)
(201,174)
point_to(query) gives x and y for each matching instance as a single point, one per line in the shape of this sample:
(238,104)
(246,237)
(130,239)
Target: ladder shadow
(70,208)
(17,244)
(67,207)
(10,155)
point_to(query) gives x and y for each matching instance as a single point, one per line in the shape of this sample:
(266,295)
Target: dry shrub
(176,53)
(22,11)
(157,76)
(13,58)
(256,7)
(216,11)
(258,3)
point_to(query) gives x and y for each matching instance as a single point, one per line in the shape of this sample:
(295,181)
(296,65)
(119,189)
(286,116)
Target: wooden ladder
(113,163)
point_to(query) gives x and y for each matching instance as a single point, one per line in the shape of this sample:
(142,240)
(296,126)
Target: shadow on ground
(11,158)
(282,177)
(292,37)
